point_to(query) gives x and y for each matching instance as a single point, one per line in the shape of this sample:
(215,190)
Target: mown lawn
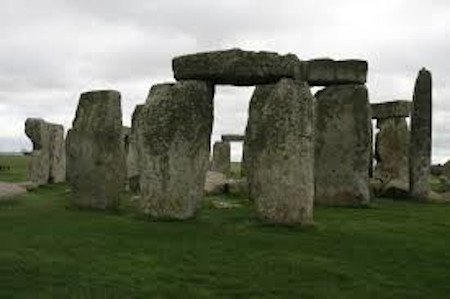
(13,168)
(391,250)
(50,250)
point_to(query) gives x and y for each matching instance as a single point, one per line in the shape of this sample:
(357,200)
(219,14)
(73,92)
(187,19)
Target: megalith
(173,146)
(57,150)
(391,173)
(48,162)
(343,145)
(39,165)
(221,158)
(420,144)
(235,67)
(248,68)
(279,152)
(233,138)
(95,151)
(132,158)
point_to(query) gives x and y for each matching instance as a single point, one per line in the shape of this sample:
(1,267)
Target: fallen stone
(392,109)
(215,183)
(221,158)
(95,151)
(279,152)
(395,189)
(237,187)
(343,146)
(420,145)
(173,146)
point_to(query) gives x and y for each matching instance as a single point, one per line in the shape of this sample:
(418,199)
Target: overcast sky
(51,51)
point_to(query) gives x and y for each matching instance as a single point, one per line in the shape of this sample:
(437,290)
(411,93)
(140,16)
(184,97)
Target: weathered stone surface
(343,146)
(235,67)
(237,187)
(174,144)
(48,160)
(57,152)
(233,138)
(325,72)
(420,144)
(392,109)
(126,137)
(132,155)
(126,133)
(221,158)
(215,183)
(39,165)
(437,169)
(95,151)
(444,169)
(392,155)
(279,152)
(245,68)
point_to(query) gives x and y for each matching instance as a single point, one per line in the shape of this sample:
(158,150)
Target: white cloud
(52,50)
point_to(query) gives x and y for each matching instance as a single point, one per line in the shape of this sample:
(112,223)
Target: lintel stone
(247,68)
(233,138)
(400,108)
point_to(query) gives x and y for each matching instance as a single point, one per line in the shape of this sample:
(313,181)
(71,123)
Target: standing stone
(95,151)
(38,168)
(221,158)
(174,142)
(343,145)
(57,172)
(126,136)
(392,155)
(133,170)
(420,147)
(279,152)
(48,159)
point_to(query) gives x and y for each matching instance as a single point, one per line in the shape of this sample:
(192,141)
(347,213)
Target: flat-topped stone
(246,68)
(173,144)
(235,67)
(325,72)
(233,138)
(342,145)
(47,163)
(95,151)
(279,152)
(221,158)
(400,108)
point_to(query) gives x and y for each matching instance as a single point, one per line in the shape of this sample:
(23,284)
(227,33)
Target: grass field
(390,250)
(17,168)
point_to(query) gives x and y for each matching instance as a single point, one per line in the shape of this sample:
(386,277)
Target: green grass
(391,250)
(17,168)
